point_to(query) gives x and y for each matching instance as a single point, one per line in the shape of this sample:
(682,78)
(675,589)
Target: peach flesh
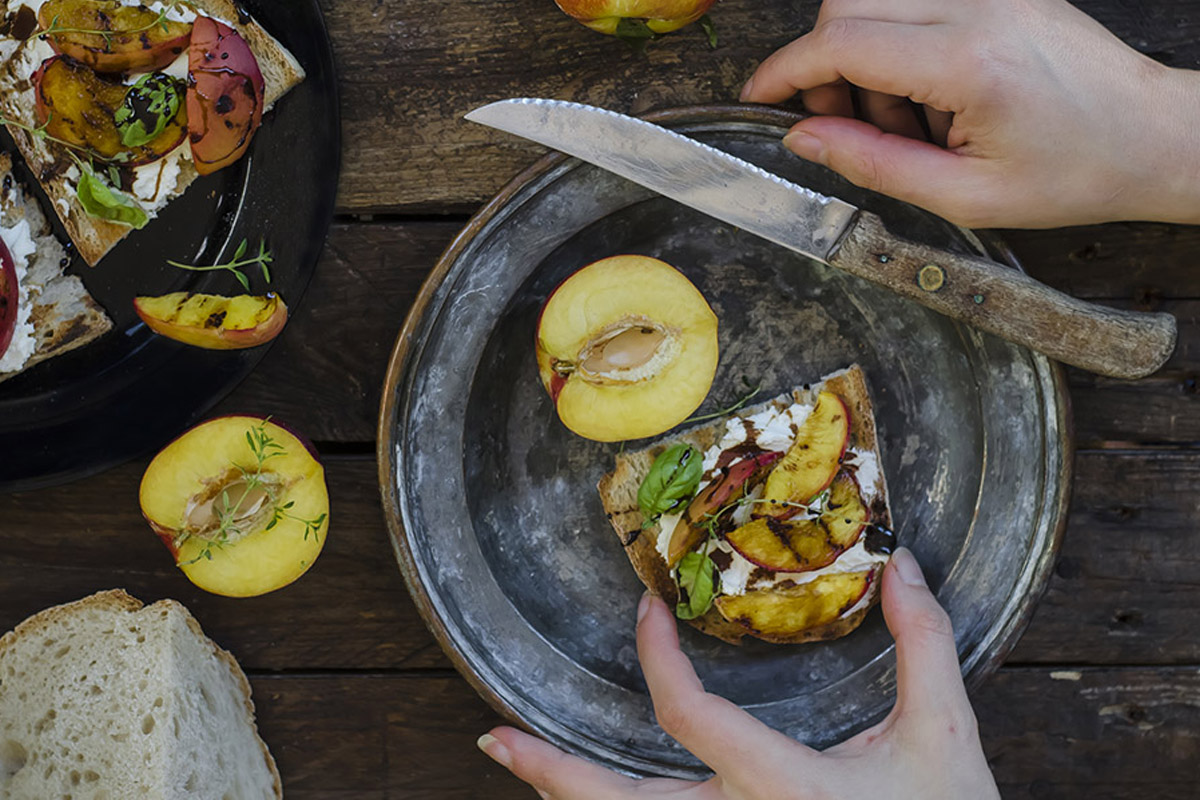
(627,348)
(188,485)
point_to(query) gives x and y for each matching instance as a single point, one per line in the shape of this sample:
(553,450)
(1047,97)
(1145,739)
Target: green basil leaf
(149,105)
(710,30)
(102,202)
(672,480)
(698,583)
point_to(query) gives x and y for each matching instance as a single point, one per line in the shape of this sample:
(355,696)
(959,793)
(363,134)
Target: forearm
(1171,186)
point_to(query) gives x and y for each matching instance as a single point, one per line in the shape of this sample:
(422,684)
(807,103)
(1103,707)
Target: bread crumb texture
(104,699)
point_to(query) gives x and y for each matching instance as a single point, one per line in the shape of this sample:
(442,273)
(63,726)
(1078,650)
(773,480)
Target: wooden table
(1101,698)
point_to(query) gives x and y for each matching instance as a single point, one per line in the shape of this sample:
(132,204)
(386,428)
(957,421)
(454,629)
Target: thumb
(947,183)
(928,676)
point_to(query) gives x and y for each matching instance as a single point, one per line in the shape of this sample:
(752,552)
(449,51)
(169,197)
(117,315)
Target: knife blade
(990,296)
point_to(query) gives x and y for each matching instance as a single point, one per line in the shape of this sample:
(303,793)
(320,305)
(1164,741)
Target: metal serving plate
(492,503)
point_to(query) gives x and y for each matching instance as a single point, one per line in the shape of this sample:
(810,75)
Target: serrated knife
(979,292)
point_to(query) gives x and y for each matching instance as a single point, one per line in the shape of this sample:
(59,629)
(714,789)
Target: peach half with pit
(626,348)
(240,502)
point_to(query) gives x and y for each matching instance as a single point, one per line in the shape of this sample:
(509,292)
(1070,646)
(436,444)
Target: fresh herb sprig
(262,259)
(264,447)
(40,132)
(749,393)
(55,28)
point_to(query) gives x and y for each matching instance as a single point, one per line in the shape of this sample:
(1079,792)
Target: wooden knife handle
(1008,303)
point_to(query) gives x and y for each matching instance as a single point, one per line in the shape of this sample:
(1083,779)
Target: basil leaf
(698,581)
(148,107)
(710,30)
(100,201)
(672,480)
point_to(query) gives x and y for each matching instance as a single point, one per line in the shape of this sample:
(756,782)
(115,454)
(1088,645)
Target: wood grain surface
(1100,699)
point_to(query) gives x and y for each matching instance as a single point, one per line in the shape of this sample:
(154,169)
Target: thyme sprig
(262,259)
(748,394)
(55,29)
(264,447)
(40,132)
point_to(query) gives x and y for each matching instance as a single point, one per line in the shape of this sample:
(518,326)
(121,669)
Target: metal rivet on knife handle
(931,277)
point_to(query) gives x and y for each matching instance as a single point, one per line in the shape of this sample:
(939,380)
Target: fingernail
(643,605)
(805,145)
(907,568)
(746,90)
(495,750)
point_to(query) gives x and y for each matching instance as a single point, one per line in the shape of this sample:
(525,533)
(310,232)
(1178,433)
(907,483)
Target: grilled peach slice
(9,297)
(79,106)
(240,502)
(785,611)
(806,544)
(814,457)
(728,488)
(212,321)
(225,95)
(134,38)
(627,348)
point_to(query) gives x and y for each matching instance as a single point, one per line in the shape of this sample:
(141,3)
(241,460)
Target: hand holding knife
(977,291)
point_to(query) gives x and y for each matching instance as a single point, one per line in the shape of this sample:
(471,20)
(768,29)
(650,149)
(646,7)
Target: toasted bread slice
(619,489)
(64,315)
(94,237)
(106,698)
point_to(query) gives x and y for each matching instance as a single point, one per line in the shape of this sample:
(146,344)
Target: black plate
(131,391)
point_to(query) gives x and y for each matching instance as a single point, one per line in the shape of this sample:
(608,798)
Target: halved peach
(113,36)
(814,457)
(785,611)
(807,544)
(660,16)
(240,502)
(9,297)
(627,348)
(212,321)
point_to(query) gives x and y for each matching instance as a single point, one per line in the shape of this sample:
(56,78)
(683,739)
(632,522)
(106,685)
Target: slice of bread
(94,237)
(619,488)
(106,699)
(64,315)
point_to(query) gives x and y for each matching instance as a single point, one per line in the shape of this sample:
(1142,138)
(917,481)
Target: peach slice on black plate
(627,348)
(240,502)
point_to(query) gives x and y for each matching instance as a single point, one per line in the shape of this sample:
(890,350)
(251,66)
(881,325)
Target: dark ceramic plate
(492,503)
(132,391)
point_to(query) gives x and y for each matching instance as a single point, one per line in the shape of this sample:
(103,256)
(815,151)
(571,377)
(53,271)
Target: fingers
(734,744)
(889,57)
(944,182)
(554,774)
(928,676)
(891,114)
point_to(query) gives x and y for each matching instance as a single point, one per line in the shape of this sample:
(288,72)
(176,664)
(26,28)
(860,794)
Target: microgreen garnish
(40,132)
(235,266)
(230,516)
(108,35)
(750,391)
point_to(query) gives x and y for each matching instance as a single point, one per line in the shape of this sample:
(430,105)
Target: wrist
(1166,186)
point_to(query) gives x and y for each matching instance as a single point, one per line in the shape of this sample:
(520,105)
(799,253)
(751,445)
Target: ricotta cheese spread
(21,246)
(154,183)
(775,429)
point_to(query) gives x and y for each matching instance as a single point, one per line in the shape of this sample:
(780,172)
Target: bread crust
(119,601)
(618,493)
(94,237)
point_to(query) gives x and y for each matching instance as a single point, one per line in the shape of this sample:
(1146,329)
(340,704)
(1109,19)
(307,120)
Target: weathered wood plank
(334,353)
(409,70)
(1125,590)
(350,611)
(1119,733)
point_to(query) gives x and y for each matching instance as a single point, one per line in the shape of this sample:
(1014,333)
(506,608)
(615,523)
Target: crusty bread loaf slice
(619,488)
(106,699)
(94,237)
(64,315)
